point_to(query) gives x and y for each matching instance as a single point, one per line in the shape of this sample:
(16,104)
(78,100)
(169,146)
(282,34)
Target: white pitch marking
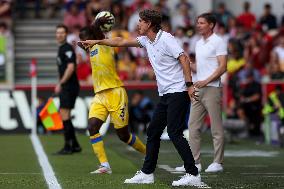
(20,173)
(44,163)
(262,173)
(237,153)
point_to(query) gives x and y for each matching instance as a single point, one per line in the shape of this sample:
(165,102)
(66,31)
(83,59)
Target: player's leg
(97,115)
(131,139)
(118,100)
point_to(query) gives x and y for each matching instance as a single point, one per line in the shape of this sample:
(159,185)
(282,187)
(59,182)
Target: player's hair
(62,26)
(95,31)
(209,17)
(152,16)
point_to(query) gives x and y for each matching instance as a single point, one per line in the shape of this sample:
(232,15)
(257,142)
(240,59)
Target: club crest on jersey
(94,52)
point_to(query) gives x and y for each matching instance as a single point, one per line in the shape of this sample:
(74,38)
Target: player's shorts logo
(122,114)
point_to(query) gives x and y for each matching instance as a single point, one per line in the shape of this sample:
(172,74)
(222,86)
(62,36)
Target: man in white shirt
(211,63)
(172,70)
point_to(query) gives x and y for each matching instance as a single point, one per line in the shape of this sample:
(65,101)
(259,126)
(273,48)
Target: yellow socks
(98,147)
(136,143)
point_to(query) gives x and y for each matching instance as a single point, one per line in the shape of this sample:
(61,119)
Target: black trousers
(171,112)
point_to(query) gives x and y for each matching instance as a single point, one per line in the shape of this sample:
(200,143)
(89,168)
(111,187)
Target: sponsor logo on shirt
(94,52)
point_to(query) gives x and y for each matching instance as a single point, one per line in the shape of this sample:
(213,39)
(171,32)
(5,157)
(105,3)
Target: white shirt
(163,54)
(280,53)
(206,57)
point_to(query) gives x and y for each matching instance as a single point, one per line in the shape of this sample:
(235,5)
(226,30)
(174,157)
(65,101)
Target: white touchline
(21,173)
(44,163)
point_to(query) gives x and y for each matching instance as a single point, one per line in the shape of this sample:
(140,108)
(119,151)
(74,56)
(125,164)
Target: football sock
(136,143)
(98,147)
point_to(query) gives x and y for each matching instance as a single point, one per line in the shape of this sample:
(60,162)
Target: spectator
(232,27)
(161,6)
(93,7)
(80,4)
(3,50)
(73,17)
(140,111)
(247,19)
(275,72)
(166,26)
(144,71)
(277,54)
(282,20)
(235,59)
(244,72)
(126,66)
(5,12)
(180,36)
(4,30)
(274,109)
(252,53)
(222,14)
(222,32)
(52,6)
(268,20)
(118,11)
(22,5)
(139,5)
(251,104)
(6,46)
(182,17)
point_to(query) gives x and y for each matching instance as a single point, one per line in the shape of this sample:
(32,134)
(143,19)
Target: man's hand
(191,93)
(57,89)
(200,84)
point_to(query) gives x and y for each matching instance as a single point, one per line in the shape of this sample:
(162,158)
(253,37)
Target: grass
(19,166)
(19,160)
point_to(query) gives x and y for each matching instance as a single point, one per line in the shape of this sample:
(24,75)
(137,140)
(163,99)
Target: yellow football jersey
(103,68)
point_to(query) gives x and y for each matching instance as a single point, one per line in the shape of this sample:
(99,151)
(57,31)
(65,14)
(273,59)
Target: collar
(208,39)
(158,36)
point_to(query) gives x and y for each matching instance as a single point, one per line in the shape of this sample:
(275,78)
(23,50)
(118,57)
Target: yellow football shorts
(111,101)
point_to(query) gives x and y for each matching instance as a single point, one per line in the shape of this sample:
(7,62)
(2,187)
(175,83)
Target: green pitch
(246,165)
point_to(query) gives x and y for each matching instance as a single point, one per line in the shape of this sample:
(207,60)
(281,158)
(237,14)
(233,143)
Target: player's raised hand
(88,43)
(105,20)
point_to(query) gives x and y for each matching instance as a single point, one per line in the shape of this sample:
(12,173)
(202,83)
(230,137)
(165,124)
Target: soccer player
(175,87)
(110,98)
(67,88)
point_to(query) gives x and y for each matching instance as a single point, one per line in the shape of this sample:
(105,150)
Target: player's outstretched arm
(83,46)
(114,42)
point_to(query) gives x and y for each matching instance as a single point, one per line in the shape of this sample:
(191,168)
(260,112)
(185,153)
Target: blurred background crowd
(255,44)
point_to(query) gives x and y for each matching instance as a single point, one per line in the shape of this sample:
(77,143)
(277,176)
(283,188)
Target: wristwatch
(188,83)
